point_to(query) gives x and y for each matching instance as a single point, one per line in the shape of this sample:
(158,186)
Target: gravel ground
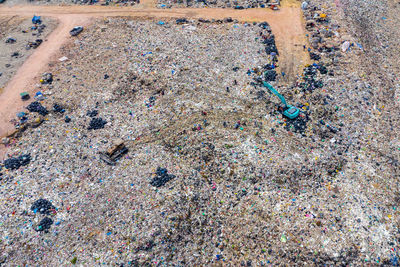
(242,185)
(20,30)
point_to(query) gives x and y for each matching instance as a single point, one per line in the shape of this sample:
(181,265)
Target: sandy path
(286,24)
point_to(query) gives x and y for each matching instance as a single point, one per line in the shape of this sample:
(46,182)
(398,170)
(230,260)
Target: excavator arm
(290,112)
(272,89)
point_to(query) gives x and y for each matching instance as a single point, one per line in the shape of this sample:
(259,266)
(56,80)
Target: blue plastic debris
(39,95)
(36,19)
(161,22)
(20,114)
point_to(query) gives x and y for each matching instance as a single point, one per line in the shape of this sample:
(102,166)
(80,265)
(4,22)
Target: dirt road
(286,24)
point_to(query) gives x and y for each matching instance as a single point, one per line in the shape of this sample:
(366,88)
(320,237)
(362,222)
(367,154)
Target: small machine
(291,112)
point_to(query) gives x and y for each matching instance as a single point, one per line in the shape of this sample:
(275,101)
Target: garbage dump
(217,173)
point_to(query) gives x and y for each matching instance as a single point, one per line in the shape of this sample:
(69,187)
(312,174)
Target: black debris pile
(16,163)
(228,20)
(40,29)
(270,75)
(15,54)
(44,225)
(310,82)
(270,46)
(92,113)
(58,108)
(67,119)
(268,39)
(162,177)
(37,107)
(97,123)
(265,26)
(322,69)
(299,124)
(42,206)
(181,21)
(314,56)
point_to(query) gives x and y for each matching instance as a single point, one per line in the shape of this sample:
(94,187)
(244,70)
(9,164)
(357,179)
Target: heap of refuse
(161,177)
(42,206)
(44,225)
(37,107)
(97,123)
(17,162)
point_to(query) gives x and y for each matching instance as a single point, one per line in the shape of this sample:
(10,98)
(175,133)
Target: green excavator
(291,112)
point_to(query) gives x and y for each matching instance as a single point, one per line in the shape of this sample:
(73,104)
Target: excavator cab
(291,112)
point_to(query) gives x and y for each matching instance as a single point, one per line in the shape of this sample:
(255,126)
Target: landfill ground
(214,174)
(287,26)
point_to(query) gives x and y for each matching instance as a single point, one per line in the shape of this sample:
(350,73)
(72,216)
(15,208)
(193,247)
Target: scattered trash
(58,108)
(345,46)
(62,59)
(39,96)
(184,104)
(11,40)
(47,78)
(35,44)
